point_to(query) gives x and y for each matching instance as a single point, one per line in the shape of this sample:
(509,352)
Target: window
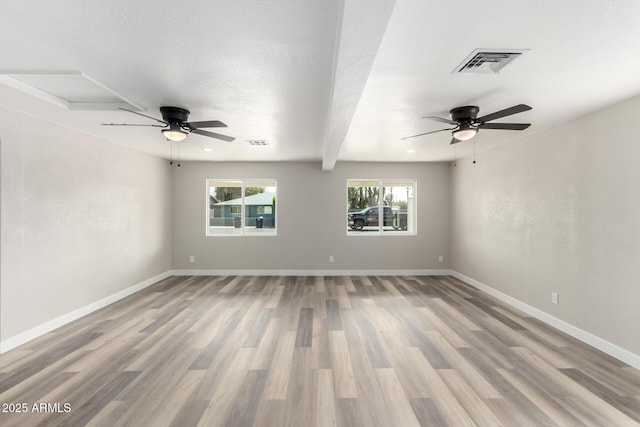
(262,210)
(366,198)
(241,207)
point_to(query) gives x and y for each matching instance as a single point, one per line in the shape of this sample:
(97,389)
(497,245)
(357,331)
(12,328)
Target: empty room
(331,213)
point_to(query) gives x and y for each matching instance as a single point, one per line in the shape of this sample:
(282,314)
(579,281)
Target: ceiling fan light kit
(174,133)
(465,133)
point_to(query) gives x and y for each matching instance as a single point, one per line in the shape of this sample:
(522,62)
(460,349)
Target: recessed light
(411,151)
(207,149)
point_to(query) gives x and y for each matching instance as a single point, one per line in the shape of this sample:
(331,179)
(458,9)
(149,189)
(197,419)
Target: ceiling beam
(361,30)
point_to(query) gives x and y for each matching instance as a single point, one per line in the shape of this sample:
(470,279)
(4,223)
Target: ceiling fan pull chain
(170,152)
(455,156)
(474,151)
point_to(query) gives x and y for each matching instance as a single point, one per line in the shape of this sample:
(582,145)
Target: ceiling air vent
(488,61)
(257,142)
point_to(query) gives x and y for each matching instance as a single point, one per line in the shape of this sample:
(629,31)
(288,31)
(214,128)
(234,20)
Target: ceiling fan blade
(454,141)
(128,124)
(505,126)
(504,113)
(213,135)
(207,124)
(440,119)
(144,115)
(427,133)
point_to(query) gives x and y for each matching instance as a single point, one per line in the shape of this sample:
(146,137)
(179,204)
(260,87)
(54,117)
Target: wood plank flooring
(313,351)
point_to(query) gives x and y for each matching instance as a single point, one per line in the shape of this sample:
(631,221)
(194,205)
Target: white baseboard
(33,333)
(311,272)
(605,346)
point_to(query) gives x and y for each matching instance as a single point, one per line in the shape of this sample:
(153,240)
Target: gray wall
(311,218)
(81,220)
(559,211)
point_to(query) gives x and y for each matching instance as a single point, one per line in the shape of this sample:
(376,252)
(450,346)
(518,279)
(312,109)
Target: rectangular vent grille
(488,61)
(257,142)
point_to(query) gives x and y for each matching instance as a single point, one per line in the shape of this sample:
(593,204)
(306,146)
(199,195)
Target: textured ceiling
(327,81)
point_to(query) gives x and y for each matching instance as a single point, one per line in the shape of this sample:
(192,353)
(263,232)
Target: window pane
(225,207)
(362,205)
(398,203)
(260,207)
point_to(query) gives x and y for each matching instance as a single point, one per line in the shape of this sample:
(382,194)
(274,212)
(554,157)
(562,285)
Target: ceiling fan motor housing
(174,114)
(462,114)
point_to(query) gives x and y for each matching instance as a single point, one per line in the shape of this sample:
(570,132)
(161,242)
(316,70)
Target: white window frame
(412,208)
(242,231)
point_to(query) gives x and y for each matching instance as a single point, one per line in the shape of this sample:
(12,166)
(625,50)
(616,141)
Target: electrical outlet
(331,259)
(192,259)
(440,258)
(554,298)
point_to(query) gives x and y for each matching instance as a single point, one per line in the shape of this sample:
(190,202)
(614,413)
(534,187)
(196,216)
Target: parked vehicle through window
(367,198)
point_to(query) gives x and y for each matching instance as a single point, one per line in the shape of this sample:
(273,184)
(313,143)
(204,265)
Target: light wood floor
(304,351)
